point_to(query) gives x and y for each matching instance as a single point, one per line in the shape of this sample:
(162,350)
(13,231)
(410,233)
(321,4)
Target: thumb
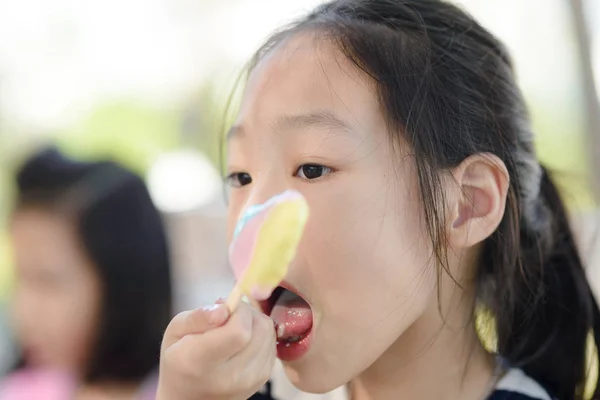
(195,322)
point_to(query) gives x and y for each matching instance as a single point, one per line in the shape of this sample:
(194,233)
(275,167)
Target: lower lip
(293,351)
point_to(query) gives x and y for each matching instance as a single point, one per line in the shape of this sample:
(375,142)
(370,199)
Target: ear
(480,199)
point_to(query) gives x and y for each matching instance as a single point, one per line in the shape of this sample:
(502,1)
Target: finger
(202,319)
(220,344)
(262,343)
(258,357)
(249,300)
(195,322)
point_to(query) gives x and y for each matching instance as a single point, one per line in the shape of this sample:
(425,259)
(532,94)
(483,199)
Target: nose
(265,189)
(257,202)
(267,183)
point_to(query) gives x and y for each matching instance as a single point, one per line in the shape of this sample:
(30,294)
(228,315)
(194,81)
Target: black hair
(123,235)
(448,87)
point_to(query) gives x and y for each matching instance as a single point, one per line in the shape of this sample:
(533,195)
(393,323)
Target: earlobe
(478,207)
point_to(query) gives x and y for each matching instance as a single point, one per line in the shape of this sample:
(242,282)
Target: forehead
(43,234)
(38,221)
(307,74)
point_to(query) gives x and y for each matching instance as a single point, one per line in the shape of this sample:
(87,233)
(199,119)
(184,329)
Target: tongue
(292,315)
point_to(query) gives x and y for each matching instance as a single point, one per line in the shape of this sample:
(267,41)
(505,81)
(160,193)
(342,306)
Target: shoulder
(516,385)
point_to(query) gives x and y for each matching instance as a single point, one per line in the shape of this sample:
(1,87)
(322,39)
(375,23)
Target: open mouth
(293,320)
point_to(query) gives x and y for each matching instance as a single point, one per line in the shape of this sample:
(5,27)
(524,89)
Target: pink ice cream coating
(242,246)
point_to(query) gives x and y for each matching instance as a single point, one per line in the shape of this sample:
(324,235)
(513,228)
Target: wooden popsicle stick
(254,304)
(235,297)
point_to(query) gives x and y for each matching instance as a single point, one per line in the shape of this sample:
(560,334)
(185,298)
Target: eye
(239,179)
(312,171)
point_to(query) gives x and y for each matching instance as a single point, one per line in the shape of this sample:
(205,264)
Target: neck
(434,360)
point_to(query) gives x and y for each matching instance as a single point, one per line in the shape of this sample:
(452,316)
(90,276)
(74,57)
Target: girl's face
(57,296)
(309,121)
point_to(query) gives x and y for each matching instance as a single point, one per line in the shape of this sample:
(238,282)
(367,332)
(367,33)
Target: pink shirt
(32,384)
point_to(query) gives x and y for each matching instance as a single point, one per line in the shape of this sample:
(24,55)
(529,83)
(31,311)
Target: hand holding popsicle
(227,352)
(212,355)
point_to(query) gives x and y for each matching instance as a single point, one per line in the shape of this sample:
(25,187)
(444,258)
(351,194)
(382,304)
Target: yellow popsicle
(275,245)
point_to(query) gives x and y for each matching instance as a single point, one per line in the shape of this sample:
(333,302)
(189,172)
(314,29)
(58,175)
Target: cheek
(76,314)
(58,320)
(369,255)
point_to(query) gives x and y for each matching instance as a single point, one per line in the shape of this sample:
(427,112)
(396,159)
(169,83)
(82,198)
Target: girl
(401,123)
(93,294)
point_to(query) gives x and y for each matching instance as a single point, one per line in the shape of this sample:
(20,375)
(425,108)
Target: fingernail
(221,300)
(217,314)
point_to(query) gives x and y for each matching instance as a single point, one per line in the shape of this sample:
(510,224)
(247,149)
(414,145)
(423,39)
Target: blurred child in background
(93,287)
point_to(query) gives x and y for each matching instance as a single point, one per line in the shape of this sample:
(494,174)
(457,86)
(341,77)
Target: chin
(309,376)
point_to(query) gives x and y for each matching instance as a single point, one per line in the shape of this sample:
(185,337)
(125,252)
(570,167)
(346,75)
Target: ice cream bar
(264,243)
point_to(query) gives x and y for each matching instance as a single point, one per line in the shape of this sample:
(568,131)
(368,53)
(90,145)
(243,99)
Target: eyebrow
(319,119)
